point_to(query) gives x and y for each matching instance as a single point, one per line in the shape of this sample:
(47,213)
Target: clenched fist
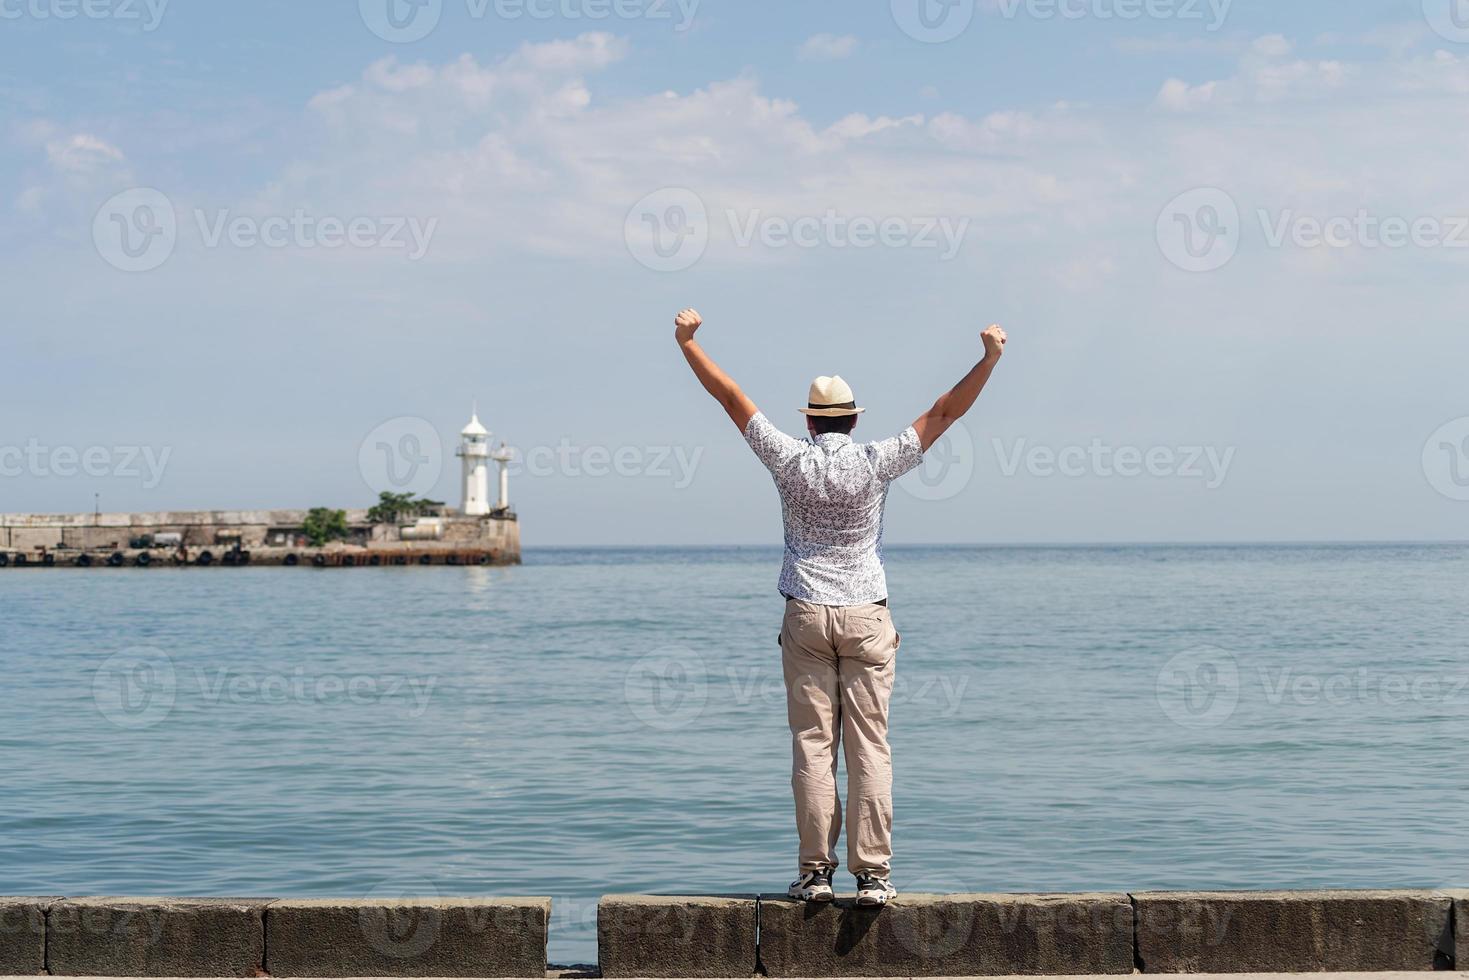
(994,341)
(686,324)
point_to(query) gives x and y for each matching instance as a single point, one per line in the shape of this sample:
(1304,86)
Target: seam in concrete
(1451,951)
(260,971)
(1138,965)
(759,963)
(46,938)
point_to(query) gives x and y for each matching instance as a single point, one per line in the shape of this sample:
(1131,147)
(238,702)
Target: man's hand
(931,425)
(739,408)
(994,341)
(686,324)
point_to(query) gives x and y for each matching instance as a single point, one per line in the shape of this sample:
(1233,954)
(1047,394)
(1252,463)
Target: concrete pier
(158,937)
(743,935)
(677,936)
(452,937)
(948,935)
(1293,932)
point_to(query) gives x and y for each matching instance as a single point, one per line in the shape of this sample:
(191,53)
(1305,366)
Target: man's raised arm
(932,424)
(714,380)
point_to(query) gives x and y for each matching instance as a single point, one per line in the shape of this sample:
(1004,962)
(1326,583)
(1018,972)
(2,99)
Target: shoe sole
(871,900)
(810,896)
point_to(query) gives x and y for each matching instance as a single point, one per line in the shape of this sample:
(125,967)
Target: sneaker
(813,886)
(872,890)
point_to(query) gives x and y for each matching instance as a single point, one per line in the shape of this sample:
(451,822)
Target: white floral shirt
(832,494)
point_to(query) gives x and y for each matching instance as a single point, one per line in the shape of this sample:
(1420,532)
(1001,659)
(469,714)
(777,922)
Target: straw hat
(831,397)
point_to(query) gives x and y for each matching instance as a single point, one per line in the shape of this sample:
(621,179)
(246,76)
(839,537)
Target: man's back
(839,646)
(832,493)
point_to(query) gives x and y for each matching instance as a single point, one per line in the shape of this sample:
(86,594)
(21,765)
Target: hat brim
(831,413)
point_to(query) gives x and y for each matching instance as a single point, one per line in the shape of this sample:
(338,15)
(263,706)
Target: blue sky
(1228,241)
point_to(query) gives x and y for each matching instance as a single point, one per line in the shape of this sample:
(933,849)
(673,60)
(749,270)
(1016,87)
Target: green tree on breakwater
(324,524)
(391,506)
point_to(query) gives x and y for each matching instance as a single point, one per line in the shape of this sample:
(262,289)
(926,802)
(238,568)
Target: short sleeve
(898,455)
(774,447)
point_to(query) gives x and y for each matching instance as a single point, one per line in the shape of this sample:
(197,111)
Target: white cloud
(82,153)
(829,47)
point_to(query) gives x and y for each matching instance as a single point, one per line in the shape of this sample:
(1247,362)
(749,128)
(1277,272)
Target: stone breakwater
(232,538)
(744,935)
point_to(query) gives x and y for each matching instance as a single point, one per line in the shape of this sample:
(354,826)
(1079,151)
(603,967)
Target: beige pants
(839,664)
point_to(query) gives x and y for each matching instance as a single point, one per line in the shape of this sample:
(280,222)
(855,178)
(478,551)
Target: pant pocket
(871,636)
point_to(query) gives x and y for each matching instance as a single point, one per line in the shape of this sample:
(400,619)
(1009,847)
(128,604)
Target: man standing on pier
(838,644)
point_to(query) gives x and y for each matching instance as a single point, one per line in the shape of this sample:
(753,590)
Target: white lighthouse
(474,450)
